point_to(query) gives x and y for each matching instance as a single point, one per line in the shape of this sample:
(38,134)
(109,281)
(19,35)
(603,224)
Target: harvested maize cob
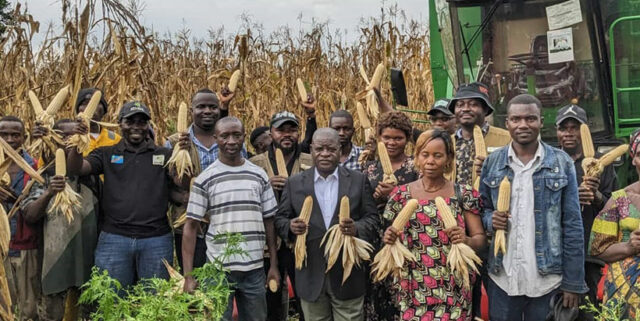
(281,164)
(180,160)
(35,103)
(461,256)
(504,202)
(391,257)
(377,77)
(362,116)
(301,241)
(389,177)
(595,169)
(54,106)
(273,285)
(481,150)
(354,250)
(46,145)
(452,173)
(82,141)
(302,90)
(66,202)
(233,81)
(587,143)
(175,276)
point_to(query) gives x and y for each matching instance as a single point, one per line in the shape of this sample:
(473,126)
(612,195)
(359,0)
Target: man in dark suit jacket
(324,297)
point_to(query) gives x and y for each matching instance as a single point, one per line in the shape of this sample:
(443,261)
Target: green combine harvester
(585,52)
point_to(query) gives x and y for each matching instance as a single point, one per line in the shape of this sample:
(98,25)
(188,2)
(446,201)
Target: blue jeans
(250,294)
(129,260)
(503,307)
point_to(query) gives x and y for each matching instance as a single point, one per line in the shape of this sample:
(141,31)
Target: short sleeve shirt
(135,195)
(235,199)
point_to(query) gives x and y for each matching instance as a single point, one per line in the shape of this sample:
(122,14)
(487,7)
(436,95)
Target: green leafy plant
(612,310)
(164,300)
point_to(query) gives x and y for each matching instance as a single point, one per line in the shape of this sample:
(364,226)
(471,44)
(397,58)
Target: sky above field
(202,15)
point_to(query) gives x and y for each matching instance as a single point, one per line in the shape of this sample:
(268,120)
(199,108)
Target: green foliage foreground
(163,300)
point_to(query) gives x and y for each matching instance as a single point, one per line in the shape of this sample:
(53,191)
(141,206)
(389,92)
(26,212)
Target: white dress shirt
(326,190)
(519,274)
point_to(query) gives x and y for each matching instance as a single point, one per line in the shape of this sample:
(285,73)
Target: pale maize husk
(301,241)
(503,204)
(595,168)
(82,142)
(180,160)
(5,232)
(461,256)
(281,164)
(392,257)
(354,250)
(174,275)
(481,150)
(67,202)
(389,177)
(302,91)
(233,81)
(43,147)
(16,158)
(5,296)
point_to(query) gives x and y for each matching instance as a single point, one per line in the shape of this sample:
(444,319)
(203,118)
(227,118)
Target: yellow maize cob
(344,208)
(587,143)
(606,160)
(481,150)
(385,161)
(273,285)
(445,213)
(405,214)
(233,81)
(377,77)
(503,204)
(452,174)
(280,163)
(35,103)
(362,116)
(301,241)
(363,73)
(183,112)
(58,101)
(302,90)
(61,163)
(92,105)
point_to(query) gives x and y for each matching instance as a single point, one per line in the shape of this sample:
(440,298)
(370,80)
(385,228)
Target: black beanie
(257,132)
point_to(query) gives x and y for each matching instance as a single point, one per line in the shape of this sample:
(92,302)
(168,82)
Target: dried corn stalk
(301,241)
(18,160)
(481,150)
(391,257)
(5,296)
(180,160)
(385,161)
(354,250)
(66,202)
(461,256)
(504,202)
(5,230)
(82,141)
(281,164)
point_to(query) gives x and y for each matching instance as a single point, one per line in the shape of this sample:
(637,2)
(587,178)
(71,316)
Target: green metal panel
(439,74)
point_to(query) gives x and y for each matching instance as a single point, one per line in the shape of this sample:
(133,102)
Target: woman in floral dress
(427,289)
(615,239)
(394,130)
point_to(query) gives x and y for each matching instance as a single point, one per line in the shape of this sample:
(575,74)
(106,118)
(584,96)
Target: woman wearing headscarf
(615,239)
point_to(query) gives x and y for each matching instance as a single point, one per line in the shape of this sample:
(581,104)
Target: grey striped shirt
(236,200)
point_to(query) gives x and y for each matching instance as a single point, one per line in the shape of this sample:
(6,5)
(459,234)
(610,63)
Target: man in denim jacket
(545,251)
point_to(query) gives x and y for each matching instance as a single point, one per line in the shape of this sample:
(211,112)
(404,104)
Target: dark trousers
(275,304)
(199,255)
(593,274)
(503,307)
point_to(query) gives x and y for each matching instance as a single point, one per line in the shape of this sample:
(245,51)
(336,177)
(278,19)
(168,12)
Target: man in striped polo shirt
(236,197)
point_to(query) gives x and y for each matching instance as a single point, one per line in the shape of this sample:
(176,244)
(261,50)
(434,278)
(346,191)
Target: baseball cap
(441,105)
(571,111)
(473,90)
(280,118)
(133,107)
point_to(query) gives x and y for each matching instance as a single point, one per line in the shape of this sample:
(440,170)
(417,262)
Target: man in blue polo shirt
(135,235)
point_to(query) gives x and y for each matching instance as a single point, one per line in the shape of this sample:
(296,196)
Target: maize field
(102,44)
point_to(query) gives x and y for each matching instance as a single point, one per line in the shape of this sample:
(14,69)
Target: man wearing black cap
(471,105)
(135,235)
(99,135)
(285,133)
(441,117)
(594,192)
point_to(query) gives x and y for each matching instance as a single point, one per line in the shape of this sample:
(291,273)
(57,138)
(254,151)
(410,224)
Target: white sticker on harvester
(560,45)
(564,14)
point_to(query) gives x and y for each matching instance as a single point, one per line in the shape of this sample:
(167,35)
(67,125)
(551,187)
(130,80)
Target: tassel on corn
(66,202)
(461,256)
(281,164)
(385,161)
(180,160)
(82,142)
(354,250)
(302,91)
(392,257)
(481,150)
(504,202)
(300,248)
